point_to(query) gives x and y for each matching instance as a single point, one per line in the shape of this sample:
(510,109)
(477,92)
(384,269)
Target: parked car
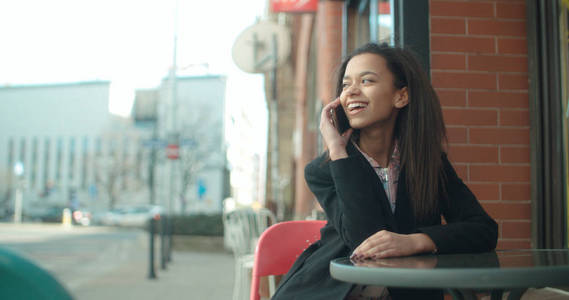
(54,214)
(45,214)
(130,216)
(81,217)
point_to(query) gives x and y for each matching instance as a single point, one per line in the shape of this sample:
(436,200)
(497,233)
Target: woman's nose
(352,89)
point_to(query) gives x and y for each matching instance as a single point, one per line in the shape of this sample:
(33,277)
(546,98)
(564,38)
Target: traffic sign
(154,143)
(173,151)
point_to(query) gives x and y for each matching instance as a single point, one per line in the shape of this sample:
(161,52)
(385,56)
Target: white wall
(59,114)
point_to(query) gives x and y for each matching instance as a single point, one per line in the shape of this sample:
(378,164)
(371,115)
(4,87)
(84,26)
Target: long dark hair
(419,127)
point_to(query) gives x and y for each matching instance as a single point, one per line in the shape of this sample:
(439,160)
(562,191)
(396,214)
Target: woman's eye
(366,81)
(344,85)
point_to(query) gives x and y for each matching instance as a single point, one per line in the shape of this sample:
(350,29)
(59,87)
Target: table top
(492,270)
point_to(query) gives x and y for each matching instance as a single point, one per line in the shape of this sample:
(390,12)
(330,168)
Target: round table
(462,274)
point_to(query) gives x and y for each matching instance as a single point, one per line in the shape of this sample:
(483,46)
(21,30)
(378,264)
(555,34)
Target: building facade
(189,126)
(75,154)
(56,133)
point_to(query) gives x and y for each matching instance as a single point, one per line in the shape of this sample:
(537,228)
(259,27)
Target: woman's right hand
(335,142)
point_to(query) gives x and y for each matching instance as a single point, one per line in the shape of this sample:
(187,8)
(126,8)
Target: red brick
(464,80)
(452,97)
(514,154)
(456,135)
(511,10)
(509,211)
(502,136)
(463,44)
(512,46)
(474,154)
(497,28)
(461,9)
(516,230)
(514,118)
(516,191)
(497,63)
(499,173)
(498,99)
(513,244)
(458,116)
(448,26)
(485,191)
(513,81)
(448,61)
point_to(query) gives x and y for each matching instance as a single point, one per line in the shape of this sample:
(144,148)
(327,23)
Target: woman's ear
(402,98)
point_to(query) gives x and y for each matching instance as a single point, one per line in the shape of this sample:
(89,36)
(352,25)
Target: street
(75,255)
(111,263)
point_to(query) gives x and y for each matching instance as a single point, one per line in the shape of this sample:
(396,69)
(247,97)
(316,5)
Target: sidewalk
(202,272)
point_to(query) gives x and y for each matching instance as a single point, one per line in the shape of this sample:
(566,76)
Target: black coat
(356,206)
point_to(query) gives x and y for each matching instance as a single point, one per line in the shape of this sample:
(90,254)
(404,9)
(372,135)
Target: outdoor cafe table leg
(516,294)
(462,294)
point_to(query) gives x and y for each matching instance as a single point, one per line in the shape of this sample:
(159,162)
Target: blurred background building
(74,153)
(188,163)
(56,132)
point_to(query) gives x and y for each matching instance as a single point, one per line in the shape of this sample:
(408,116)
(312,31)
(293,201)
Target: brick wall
(479,69)
(329,31)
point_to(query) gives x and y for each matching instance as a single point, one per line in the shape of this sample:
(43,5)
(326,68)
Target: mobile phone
(340,119)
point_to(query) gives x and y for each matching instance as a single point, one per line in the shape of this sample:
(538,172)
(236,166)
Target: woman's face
(368,94)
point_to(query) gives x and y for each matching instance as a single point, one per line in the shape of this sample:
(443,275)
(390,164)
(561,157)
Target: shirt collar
(394,160)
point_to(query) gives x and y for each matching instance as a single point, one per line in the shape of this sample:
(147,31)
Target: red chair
(279,246)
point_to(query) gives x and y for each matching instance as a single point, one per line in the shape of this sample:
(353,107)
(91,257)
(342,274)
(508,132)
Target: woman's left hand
(385,244)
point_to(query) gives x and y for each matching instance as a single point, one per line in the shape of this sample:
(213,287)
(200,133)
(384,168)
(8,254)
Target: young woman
(385,182)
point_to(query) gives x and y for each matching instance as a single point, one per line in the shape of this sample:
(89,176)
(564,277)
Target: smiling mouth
(356,107)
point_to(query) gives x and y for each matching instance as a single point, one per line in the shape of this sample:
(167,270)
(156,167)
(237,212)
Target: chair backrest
(279,246)
(244,226)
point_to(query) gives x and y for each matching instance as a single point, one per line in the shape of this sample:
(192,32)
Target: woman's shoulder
(319,163)
(447,166)
(323,161)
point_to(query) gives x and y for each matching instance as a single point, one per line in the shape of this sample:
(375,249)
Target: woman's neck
(377,143)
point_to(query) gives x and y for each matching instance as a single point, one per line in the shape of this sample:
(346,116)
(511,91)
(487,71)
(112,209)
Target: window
(10,161)
(401,23)
(22,157)
(71,158)
(385,22)
(84,162)
(46,153)
(124,161)
(58,160)
(547,54)
(34,163)
(564,51)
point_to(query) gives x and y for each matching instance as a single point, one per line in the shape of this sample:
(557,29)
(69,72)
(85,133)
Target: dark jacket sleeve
(348,196)
(469,228)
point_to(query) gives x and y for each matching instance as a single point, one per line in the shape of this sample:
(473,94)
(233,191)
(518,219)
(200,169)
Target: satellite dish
(261,47)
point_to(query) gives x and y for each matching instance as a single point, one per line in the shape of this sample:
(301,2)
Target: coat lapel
(379,193)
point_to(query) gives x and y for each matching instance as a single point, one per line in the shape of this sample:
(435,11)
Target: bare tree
(199,140)
(110,168)
(116,167)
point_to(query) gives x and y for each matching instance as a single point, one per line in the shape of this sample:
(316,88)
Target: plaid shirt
(389,176)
